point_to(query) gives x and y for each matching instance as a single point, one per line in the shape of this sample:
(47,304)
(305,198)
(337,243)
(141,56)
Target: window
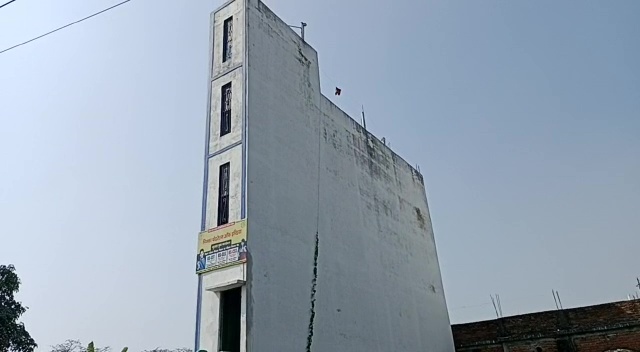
(230,310)
(227,39)
(223,195)
(225,113)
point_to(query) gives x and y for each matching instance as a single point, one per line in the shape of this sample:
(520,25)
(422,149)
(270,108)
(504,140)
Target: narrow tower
(315,236)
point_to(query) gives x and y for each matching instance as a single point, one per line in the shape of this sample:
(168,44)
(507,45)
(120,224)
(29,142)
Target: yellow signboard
(222,246)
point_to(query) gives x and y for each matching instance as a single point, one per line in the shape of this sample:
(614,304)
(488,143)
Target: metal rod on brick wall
(494,306)
(559,301)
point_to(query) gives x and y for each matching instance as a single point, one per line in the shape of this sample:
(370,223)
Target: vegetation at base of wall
(77,346)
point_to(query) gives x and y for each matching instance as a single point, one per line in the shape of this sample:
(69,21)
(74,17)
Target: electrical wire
(7,3)
(65,26)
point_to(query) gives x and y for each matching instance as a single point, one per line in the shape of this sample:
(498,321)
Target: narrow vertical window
(227,39)
(230,310)
(225,114)
(223,195)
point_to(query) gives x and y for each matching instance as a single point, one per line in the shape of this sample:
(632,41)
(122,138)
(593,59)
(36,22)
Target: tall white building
(316,236)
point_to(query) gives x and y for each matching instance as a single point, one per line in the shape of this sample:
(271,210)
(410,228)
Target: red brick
(587,329)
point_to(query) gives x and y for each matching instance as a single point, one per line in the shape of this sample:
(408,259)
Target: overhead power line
(65,26)
(6,3)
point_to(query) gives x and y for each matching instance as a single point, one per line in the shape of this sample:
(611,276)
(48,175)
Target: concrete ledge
(223,286)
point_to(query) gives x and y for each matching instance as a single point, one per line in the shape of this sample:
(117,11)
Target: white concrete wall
(217,143)
(227,148)
(234,157)
(220,150)
(235,9)
(312,169)
(282,171)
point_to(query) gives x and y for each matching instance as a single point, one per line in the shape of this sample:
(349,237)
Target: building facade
(612,327)
(315,236)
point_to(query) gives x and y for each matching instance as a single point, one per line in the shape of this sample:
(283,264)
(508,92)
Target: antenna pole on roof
(364,121)
(301,28)
(495,307)
(559,301)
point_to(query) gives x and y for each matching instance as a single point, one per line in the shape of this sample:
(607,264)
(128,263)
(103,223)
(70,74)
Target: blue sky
(523,116)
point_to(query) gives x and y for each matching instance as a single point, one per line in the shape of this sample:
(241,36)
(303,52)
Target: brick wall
(600,328)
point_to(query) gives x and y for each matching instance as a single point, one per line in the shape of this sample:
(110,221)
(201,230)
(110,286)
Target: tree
(158,349)
(13,336)
(68,346)
(77,346)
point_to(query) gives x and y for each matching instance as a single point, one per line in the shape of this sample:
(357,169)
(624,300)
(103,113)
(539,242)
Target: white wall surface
(221,150)
(282,183)
(234,157)
(226,148)
(235,77)
(312,169)
(235,9)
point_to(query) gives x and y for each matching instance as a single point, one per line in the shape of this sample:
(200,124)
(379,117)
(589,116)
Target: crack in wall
(314,281)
